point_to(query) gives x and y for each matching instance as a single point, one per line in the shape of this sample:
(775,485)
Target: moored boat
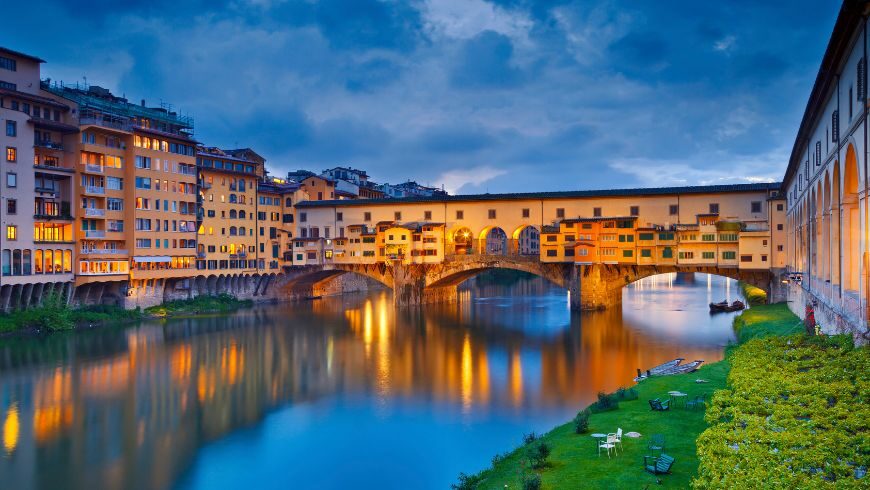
(657,370)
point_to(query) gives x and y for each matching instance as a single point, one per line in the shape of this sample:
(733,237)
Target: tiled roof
(643,191)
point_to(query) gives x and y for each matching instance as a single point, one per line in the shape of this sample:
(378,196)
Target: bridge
(591,287)
(592,243)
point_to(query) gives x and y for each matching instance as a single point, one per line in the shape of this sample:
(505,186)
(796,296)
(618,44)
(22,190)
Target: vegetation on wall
(54,314)
(221,303)
(754,296)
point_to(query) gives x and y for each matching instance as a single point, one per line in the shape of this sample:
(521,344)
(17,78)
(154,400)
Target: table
(678,395)
(598,436)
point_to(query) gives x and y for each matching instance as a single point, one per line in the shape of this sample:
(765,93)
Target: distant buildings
(352,183)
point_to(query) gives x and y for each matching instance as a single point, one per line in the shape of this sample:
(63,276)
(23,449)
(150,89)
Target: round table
(598,436)
(677,395)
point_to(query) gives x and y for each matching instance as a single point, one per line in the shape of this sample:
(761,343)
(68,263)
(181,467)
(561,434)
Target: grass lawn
(574,461)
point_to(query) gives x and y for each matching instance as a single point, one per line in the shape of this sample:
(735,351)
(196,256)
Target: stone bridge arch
(462,268)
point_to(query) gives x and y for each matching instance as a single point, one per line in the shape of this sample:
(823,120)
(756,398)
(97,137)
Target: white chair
(608,445)
(617,438)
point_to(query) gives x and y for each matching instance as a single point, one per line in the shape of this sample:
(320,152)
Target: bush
(529,438)
(467,482)
(581,422)
(753,295)
(538,454)
(531,481)
(52,314)
(626,394)
(794,415)
(605,403)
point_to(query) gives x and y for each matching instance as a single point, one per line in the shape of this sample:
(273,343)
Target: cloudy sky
(475,95)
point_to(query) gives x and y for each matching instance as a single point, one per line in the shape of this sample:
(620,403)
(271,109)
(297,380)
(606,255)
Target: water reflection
(424,393)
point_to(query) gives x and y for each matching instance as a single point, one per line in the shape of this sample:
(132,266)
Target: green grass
(54,314)
(221,303)
(574,461)
(755,296)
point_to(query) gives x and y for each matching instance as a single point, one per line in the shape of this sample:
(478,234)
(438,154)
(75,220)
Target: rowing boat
(658,370)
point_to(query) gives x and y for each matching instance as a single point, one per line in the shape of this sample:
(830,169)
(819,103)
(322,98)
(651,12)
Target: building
(410,189)
(276,200)
(135,195)
(826,184)
(228,218)
(36,196)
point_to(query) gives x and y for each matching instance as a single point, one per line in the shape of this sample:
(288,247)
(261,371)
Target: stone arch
(826,229)
(835,224)
(462,240)
(818,235)
(851,221)
(457,272)
(493,240)
(526,240)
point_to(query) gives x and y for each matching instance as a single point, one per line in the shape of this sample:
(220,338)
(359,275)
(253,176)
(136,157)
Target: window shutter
(862,82)
(835,126)
(818,153)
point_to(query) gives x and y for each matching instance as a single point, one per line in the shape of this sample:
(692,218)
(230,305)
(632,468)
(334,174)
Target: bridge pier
(594,287)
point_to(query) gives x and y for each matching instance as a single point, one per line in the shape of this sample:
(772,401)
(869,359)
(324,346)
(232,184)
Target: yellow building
(276,221)
(229,237)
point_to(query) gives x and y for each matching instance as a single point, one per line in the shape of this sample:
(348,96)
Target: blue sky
(476,95)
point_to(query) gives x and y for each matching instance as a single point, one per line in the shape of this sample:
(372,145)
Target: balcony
(200,255)
(98,169)
(95,212)
(92,189)
(103,251)
(94,233)
(43,189)
(51,145)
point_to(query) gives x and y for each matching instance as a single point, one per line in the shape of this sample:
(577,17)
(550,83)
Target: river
(343,392)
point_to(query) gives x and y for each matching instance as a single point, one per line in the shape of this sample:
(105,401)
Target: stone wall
(829,317)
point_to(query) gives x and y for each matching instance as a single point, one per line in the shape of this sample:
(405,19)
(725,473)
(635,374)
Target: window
(628,253)
(646,236)
(729,255)
(10,86)
(114,204)
(551,253)
(666,236)
(11,232)
(635,210)
(674,210)
(11,128)
(397,215)
(340,217)
(714,208)
(11,154)
(115,183)
(745,258)
(491,214)
(708,255)
(569,252)
(756,206)
(560,213)
(667,253)
(367,216)
(779,227)
(764,258)
(11,206)
(596,212)
(646,253)
(11,179)
(708,237)
(8,63)
(687,255)
(779,248)
(303,217)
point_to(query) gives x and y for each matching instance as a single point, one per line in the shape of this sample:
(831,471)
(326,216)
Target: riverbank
(54,314)
(574,461)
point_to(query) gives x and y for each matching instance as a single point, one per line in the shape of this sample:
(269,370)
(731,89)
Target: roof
(848,20)
(643,191)
(598,218)
(20,55)
(34,98)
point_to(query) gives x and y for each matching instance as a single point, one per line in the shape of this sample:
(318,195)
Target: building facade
(826,184)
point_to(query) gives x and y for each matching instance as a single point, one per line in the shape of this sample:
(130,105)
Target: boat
(656,371)
(670,368)
(724,306)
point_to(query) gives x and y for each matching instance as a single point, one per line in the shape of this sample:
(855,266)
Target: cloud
(455,180)
(485,61)
(725,44)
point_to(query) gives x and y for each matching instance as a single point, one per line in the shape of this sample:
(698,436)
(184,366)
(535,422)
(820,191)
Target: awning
(153,258)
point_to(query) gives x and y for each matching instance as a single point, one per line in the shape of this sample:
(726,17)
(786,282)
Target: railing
(95,212)
(111,251)
(92,189)
(41,188)
(200,255)
(95,233)
(51,145)
(120,125)
(89,167)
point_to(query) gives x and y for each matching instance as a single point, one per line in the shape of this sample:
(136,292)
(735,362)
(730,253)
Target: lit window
(11,154)
(11,232)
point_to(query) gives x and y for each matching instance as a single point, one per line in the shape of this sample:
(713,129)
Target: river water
(341,392)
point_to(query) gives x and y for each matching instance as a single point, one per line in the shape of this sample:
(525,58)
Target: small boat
(658,370)
(724,306)
(687,368)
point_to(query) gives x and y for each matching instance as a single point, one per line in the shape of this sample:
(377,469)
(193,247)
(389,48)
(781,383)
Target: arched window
(26,262)
(242,199)
(49,258)
(241,231)
(232,248)
(67,260)
(242,214)
(233,198)
(37,261)
(233,231)
(16,262)
(7,258)
(58,261)
(233,214)
(288,202)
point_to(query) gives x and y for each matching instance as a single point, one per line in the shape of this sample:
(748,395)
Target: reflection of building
(496,242)
(528,242)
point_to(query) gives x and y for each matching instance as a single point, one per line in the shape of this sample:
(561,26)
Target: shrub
(753,295)
(605,403)
(531,481)
(626,394)
(581,422)
(53,314)
(795,415)
(529,438)
(467,482)
(538,454)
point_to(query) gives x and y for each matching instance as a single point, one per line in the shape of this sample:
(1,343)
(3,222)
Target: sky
(473,95)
